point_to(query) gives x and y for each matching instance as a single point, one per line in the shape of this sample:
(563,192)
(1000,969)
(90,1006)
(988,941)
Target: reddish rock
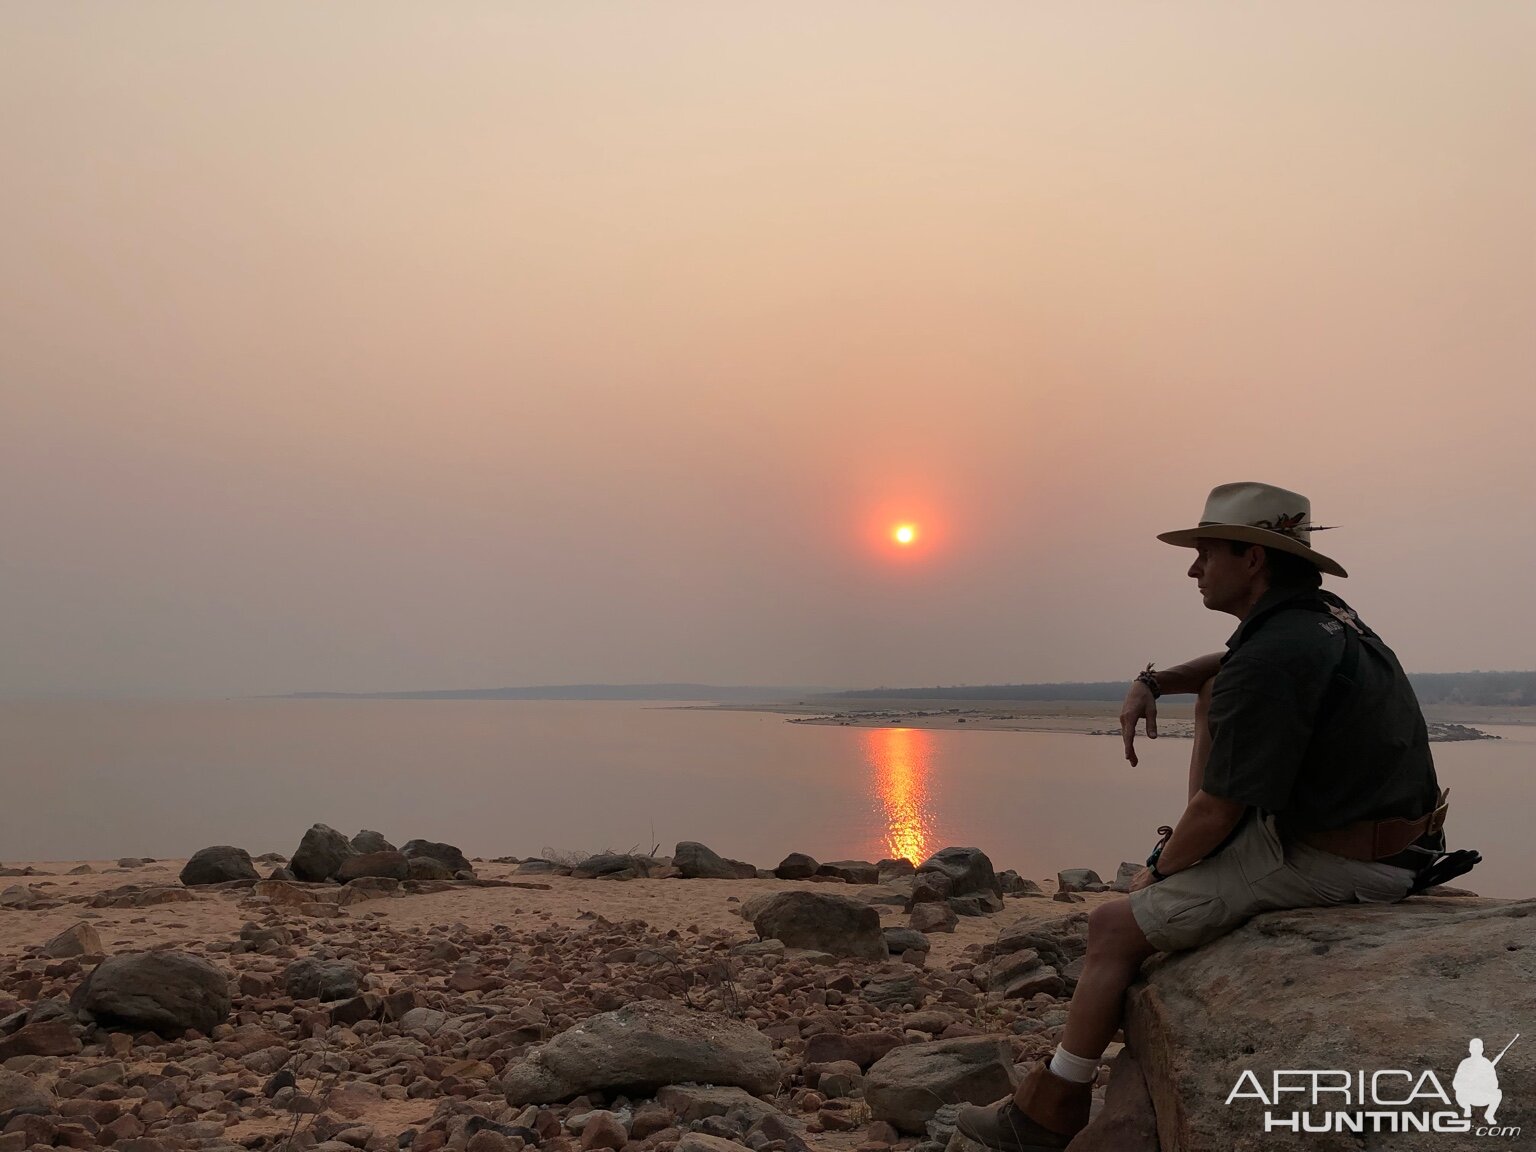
(862,1048)
(41,1038)
(603,1130)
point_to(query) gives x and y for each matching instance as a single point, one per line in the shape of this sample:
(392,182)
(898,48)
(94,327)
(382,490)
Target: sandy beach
(546,954)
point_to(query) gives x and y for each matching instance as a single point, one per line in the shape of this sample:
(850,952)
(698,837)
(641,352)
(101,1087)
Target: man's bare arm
(1206,823)
(1190,676)
(1139,704)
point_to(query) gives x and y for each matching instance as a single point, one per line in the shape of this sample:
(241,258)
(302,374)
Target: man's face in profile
(1224,579)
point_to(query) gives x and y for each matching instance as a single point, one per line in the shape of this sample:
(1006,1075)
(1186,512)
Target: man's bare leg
(1052,1104)
(1116,948)
(1116,943)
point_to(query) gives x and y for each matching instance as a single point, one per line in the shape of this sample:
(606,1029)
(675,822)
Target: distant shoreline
(1085,717)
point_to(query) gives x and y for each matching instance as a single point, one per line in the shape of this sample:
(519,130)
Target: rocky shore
(356,996)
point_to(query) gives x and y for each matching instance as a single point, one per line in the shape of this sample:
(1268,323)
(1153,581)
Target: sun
(904,534)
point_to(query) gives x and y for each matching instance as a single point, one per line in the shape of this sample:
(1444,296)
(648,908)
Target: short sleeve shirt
(1290,736)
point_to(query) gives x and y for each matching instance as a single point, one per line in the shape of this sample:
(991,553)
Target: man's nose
(1194,570)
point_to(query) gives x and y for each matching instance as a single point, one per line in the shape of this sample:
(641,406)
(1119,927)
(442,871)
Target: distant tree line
(1506,688)
(1485,688)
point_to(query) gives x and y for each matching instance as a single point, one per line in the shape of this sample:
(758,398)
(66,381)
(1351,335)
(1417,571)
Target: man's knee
(1113,931)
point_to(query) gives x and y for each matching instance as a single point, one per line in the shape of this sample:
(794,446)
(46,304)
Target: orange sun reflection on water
(901,758)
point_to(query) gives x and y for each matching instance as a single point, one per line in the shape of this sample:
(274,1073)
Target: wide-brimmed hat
(1258,514)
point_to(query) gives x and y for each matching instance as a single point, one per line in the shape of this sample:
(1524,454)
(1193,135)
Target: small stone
(603,1130)
(77,940)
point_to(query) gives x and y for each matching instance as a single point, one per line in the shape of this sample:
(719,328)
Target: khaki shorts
(1256,873)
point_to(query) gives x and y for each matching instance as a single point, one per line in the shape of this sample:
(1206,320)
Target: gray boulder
(427,868)
(928,888)
(891,987)
(613,864)
(823,923)
(320,978)
(447,853)
(1020,975)
(540,867)
(640,1048)
(429,1020)
(976,904)
(908,1084)
(691,1103)
(217,864)
(367,841)
(77,940)
(1060,944)
(388,863)
(320,854)
(164,992)
(969,871)
(1124,875)
(1015,885)
(934,918)
(853,871)
(696,862)
(796,866)
(902,940)
(1078,880)
(19,896)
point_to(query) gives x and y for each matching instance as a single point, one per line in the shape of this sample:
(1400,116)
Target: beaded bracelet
(1149,678)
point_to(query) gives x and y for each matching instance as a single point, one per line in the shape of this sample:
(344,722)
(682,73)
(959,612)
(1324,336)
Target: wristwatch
(1156,875)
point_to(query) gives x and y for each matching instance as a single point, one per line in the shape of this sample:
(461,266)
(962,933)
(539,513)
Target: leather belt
(1378,839)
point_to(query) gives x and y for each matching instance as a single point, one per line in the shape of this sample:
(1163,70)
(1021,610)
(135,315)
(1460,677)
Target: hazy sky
(368,346)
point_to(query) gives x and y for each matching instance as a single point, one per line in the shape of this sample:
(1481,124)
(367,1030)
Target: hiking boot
(1043,1116)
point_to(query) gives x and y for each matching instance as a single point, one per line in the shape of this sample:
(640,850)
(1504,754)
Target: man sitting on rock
(1311,783)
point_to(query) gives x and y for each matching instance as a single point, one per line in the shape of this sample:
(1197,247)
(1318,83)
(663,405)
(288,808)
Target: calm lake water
(511,778)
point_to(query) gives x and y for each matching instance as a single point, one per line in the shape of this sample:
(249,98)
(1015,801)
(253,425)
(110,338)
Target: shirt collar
(1267,603)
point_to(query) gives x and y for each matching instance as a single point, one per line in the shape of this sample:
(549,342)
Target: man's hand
(1143,879)
(1138,704)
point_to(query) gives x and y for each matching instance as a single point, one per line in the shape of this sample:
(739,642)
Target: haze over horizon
(381,347)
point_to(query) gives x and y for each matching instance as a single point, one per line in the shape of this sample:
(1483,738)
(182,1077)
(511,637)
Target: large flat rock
(1359,988)
(642,1047)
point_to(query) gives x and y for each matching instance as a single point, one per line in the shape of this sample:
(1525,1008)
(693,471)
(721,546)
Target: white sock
(1078,1069)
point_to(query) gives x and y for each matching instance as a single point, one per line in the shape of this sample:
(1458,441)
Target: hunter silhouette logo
(1316,1100)
(1477,1084)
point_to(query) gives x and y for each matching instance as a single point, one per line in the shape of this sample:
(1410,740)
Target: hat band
(1291,527)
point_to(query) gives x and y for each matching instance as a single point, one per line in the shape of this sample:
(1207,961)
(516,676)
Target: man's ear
(1255,559)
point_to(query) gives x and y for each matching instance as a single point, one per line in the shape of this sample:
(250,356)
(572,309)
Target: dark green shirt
(1286,740)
